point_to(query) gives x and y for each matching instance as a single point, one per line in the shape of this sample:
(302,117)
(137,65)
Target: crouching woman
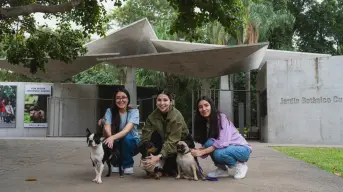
(121,124)
(164,127)
(220,140)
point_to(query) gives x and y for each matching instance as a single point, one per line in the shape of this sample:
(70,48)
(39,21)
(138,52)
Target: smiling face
(121,100)
(204,108)
(163,103)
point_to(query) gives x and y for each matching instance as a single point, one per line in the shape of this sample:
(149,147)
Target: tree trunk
(10,12)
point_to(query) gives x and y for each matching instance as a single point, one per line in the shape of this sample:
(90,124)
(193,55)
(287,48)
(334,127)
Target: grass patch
(329,159)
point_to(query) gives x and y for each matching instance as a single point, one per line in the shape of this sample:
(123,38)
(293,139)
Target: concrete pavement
(63,164)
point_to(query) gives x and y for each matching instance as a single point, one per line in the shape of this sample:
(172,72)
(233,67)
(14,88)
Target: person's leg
(221,170)
(233,156)
(129,146)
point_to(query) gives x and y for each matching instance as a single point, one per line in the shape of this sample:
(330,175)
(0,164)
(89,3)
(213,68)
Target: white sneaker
(241,170)
(115,169)
(128,171)
(219,173)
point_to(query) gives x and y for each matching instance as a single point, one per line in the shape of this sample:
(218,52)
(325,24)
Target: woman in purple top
(220,140)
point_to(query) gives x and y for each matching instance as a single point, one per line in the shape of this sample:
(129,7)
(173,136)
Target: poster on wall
(8,103)
(36,105)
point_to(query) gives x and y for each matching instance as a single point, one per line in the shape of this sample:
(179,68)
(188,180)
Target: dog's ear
(88,131)
(141,148)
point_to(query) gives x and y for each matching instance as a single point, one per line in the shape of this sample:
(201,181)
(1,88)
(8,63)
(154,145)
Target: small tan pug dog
(186,164)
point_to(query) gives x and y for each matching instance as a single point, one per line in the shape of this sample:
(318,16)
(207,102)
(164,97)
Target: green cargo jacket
(172,128)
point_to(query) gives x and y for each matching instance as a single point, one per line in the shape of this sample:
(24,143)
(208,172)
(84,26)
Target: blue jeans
(129,146)
(229,155)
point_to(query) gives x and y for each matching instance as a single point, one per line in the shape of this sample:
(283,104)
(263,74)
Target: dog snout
(180,148)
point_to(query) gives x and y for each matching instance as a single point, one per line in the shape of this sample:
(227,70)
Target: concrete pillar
(130,85)
(226,97)
(248,101)
(54,111)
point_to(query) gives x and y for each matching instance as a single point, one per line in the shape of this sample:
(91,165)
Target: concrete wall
(19,130)
(73,108)
(304,101)
(261,86)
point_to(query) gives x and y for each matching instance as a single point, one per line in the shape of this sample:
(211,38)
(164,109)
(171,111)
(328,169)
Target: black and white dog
(101,153)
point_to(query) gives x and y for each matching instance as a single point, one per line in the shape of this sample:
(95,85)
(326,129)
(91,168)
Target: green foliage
(264,17)
(320,28)
(29,43)
(8,91)
(156,11)
(193,14)
(328,159)
(26,43)
(8,76)
(104,74)
(34,51)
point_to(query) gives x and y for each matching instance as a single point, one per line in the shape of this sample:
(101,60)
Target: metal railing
(71,116)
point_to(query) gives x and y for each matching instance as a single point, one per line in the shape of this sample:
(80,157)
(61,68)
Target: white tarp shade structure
(136,45)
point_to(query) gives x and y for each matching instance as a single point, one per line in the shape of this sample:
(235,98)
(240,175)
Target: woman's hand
(109,141)
(152,161)
(197,152)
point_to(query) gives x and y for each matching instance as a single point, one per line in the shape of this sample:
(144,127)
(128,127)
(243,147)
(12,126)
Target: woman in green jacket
(164,127)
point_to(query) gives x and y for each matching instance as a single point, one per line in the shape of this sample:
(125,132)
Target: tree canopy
(26,41)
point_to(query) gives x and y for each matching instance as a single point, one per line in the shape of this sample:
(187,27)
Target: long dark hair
(200,131)
(115,112)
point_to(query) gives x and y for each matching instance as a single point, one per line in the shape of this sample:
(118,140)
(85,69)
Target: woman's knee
(128,141)
(231,154)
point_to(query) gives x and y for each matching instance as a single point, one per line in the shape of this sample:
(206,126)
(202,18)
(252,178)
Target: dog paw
(95,180)
(98,181)
(177,177)
(195,179)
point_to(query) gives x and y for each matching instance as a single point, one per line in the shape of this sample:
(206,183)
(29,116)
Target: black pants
(170,166)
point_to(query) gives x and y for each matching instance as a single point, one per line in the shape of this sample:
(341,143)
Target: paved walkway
(63,165)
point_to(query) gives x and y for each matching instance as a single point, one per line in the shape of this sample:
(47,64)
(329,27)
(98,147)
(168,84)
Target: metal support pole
(241,118)
(193,114)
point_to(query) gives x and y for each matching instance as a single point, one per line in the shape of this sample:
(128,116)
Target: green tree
(103,73)
(321,28)
(317,28)
(26,44)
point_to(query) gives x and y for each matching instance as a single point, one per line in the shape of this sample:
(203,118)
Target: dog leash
(202,172)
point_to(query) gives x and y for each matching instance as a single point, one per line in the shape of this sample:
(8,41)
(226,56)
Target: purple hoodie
(229,135)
